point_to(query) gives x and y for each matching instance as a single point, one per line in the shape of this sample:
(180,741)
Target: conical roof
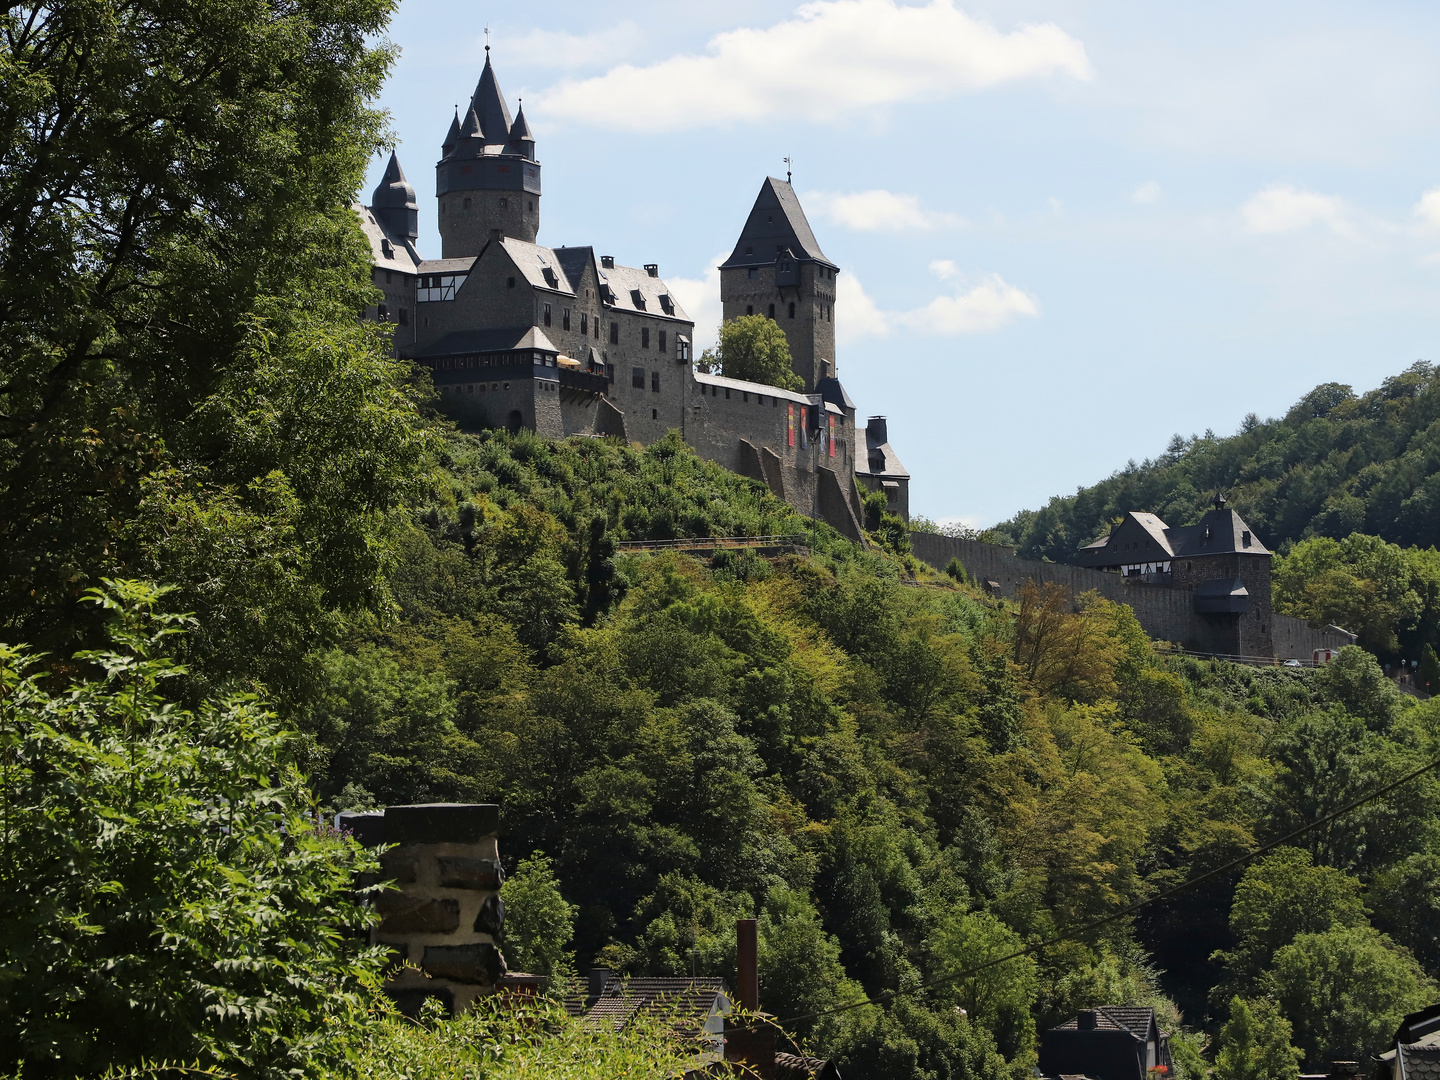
(472,128)
(490,105)
(520,130)
(776,223)
(453,135)
(394,191)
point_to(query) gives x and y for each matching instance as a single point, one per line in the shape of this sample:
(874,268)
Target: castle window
(584,323)
(772,311)
(749,251)
(504,204)
(637,378)
(509,282)
(383,312)
(751,272)
(682,347)
(547,314)
(610,372)
(404,316)
(387,272)
(1244,536)
(662,341)
(565,318)
(655,382)
(466,204)
(388,252)
(644,337)
(614,333)
(792,309)
(744,396)
(749,309)
(727,393)
(654,414)
(530,205)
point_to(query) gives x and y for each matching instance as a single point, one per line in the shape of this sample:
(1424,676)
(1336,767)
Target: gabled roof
(1219,530)
(776,223)
(489,103)
(403,256)
(504,339)
(689,1000)
(879,459)
(461,265)
(1135,1021)
(626,282)
(533,260)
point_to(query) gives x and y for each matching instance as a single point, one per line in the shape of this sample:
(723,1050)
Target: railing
(711,543)
(1253,661)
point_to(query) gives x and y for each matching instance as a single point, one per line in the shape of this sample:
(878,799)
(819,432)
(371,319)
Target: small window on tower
(655,381)
(772,311)
(530,205)
(749,251)
(637,378)
(509,282)
(387,272)
(751,272)
(504,204)
(547,314)
(614,333)
(662,341)
(565,318)
(584,323)
(792,309)
(749,309)
(466,204)
(404,315)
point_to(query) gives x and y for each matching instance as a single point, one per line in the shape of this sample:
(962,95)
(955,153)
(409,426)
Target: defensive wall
(1165,612)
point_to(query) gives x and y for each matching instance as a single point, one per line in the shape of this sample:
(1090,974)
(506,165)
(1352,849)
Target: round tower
(487,177)
(393,203)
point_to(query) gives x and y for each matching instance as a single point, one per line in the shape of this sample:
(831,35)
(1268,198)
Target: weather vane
(487,39)
(787,170)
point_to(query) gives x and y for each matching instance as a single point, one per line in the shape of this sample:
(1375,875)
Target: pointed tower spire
(452,137)
(522,140)
(393,202)
(489,105)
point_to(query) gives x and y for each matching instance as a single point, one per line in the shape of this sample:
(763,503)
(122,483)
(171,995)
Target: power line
(1085,928)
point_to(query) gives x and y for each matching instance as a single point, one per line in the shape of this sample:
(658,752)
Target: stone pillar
(444,910)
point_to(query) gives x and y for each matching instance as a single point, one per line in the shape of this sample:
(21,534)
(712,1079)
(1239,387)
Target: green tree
(1430,670)
(1255,1043)
(1354,680)
(539,921)
(167,893)
(185,389)
(755,349)
(1000,998)
(1361,583)
(1345,990)
(1280,896)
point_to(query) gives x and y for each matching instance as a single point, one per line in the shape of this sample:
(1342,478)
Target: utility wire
(1085,928)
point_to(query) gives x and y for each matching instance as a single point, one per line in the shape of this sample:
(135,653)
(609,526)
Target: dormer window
(667,305)
(550,278)
(638,299)
(749,251)
(387,249)
(1245,539)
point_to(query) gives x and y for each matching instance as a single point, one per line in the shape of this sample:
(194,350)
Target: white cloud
(700,299)
(984,308)
(1428,208)
(878,210)
(557,49)
(1147,194)
(832,58)
(856,315)
(1286,208)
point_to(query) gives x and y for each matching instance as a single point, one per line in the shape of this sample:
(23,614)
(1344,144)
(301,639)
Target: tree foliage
(754,348)
(167,893)
(1255,1043)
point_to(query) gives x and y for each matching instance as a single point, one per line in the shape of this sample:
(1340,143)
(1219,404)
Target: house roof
(394,191)
(533,260)
(1419,1024)
(880,459)
(1219,531)
(721,381)
(403,256)
(489,104)
(633,289)
(688,1000)
(1132,1019)
(504,339)
(776,224)
(1418,1061)
(446,266)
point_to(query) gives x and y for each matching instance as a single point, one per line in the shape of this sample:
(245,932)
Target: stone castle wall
(1166,613)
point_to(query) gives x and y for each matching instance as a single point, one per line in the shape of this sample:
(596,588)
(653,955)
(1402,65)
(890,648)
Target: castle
(564,342)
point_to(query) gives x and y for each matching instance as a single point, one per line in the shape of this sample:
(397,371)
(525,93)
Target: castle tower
(393,203)
(487,177)
(777,269)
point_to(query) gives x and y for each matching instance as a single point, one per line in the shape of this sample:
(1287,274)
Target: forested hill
(1337,463)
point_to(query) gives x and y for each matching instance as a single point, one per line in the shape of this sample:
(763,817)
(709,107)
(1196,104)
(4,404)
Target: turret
(394,205)
(487,177)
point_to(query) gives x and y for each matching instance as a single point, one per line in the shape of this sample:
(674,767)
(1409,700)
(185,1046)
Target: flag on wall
(790,424)
(832,436)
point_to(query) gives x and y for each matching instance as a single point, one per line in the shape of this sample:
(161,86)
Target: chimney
(607,261)
(1345,1070)
(747,983)
(599,976)
(1085,1020)
(653,269)
(752,1044)
(877,429)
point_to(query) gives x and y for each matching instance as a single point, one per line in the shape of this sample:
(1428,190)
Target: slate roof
(721,381)
(688,1000)
(799,1067)
(504,339)
(880,459)
(532,260)
(394,191)
(1418,1061)
(446,266)
(1135,1020)
(403,256)
(1218,531)
(776,223)
(489,104)
(628,282)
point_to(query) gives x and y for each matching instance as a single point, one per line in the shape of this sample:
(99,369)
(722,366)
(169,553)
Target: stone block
(402,913)
(441,823)
(398,868)
(491,917)
(478,963)
(462,873)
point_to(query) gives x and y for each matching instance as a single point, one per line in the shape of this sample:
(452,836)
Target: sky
(1067,230)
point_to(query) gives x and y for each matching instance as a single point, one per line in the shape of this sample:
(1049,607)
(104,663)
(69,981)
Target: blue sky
(1067,230)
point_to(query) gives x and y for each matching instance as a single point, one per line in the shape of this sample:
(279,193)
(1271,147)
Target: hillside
(1337,463)
(898,781)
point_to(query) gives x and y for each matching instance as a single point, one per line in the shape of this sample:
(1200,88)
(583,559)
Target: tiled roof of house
(1419,1061)
(686,1000)
(1133,1019)
(401,255)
